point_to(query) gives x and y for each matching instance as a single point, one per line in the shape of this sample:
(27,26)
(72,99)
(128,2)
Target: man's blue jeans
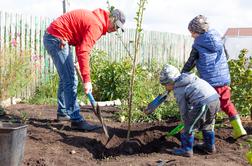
(67,92)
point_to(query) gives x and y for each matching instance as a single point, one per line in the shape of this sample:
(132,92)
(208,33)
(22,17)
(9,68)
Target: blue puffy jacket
(212,62)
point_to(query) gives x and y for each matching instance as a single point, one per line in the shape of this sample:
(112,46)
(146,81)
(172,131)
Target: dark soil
(53,143)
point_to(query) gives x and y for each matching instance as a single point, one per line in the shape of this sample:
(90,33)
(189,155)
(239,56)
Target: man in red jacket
(80,28)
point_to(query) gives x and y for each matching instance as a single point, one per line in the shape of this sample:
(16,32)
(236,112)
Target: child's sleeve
(191,62)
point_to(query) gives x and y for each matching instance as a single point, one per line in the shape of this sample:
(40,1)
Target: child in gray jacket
(198,104)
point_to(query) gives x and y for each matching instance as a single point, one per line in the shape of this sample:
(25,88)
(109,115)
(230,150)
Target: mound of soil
(53,143)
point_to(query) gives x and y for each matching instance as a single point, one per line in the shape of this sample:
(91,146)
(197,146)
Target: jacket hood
(210,40)
(103,17)
(185,79)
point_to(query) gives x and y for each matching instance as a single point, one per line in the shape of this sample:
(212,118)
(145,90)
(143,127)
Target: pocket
(51,44)
(51,40)
(63,44)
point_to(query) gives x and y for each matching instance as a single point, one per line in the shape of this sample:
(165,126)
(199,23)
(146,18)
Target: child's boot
(209,142)
(186,149)
(238,130)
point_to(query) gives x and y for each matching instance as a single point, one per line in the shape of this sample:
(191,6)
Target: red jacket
(81,28)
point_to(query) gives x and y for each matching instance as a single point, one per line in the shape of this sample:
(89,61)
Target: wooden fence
(24,32)
(161,46)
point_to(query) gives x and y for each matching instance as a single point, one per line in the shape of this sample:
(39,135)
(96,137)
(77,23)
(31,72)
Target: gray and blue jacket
(209,57)
(192,93)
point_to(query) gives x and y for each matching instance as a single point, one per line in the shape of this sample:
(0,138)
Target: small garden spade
(156,102)
(152,107)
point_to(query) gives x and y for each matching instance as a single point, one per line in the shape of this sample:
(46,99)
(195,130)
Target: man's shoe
(84,125)
(63,117)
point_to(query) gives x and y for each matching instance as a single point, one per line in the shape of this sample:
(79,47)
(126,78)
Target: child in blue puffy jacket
(209,57)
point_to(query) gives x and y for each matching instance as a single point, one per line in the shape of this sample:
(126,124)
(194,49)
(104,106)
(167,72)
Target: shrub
(15,71)
(111,81)
(241,74)
(46,93)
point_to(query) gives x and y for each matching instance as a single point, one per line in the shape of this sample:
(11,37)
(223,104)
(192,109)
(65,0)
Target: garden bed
(53,143)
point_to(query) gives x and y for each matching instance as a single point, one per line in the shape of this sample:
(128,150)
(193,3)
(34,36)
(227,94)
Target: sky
(160,15)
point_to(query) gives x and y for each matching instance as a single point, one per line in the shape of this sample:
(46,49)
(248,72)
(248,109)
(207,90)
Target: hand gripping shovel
(95,107)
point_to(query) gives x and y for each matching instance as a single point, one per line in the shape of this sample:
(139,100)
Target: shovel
(176,130)
(97,112)
(181,126)
(95,107)
(156,102)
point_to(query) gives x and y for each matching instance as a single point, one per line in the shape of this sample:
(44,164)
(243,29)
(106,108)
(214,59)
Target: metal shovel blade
(97,112)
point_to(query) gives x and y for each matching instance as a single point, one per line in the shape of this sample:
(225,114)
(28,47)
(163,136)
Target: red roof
(238,32)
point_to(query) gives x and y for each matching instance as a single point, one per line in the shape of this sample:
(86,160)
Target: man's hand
(88,87)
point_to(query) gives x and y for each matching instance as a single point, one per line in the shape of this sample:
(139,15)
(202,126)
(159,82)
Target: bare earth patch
(53,143)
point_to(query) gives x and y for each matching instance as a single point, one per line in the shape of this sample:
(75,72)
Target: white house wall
(235,44)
